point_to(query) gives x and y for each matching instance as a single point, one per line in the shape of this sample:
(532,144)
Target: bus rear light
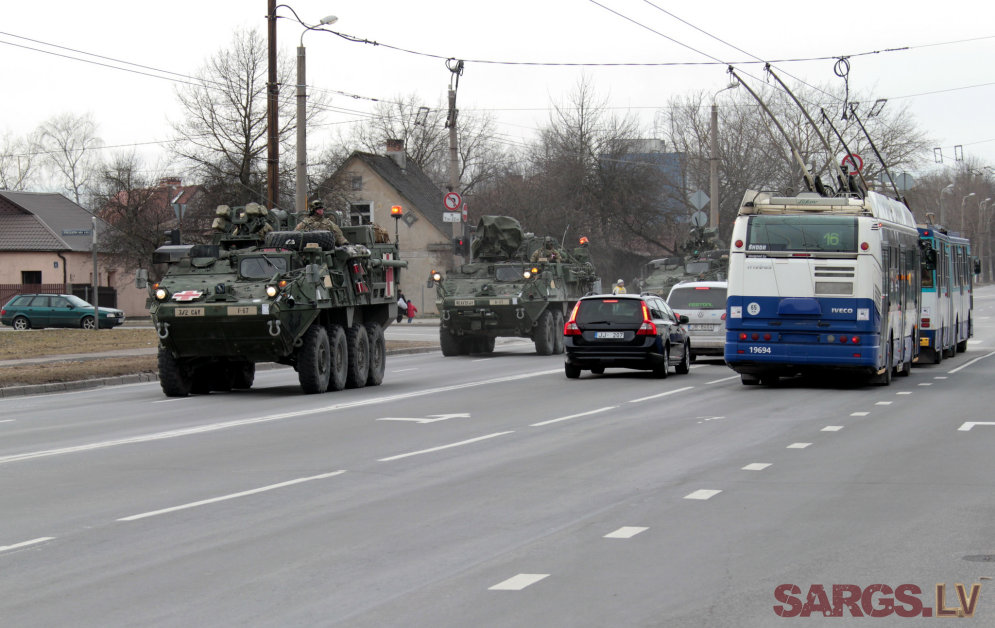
(767,337)
(755,336)
(856,355)
(742,336)
(843,339)
(864,246)
(855,340)
(925,323)
(739,244)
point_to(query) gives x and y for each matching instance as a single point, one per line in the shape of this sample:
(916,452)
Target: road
(492,491)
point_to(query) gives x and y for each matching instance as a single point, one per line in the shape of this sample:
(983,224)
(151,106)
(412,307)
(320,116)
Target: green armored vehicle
(262,293)
(516,285)
(698,264)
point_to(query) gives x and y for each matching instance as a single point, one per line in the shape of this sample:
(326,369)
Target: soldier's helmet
(317,207)
(549,243)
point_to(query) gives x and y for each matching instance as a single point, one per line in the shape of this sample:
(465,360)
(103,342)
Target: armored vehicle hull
(293,298)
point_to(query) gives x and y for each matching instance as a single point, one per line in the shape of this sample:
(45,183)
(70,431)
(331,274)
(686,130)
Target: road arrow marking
(966,427)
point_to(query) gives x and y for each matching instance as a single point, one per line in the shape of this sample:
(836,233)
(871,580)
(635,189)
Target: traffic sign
(853,163)
(699,199)
(451,217)
(699,219)
(452,201)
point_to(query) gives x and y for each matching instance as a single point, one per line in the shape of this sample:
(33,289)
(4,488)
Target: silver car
(704,303)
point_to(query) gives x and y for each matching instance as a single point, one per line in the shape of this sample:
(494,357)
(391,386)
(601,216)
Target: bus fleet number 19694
(759,349)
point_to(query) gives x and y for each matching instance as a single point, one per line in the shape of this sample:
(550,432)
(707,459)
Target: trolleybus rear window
(816,234)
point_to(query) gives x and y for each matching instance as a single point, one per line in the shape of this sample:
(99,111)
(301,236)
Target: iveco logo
(842,310)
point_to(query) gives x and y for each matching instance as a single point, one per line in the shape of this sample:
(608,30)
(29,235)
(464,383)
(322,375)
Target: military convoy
(701,262)
(264,293)
(515,285)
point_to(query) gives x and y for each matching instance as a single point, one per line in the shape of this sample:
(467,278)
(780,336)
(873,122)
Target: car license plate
(241,310)
(189,311)
(463,302)
(699,327)
(500,301)
(607,335)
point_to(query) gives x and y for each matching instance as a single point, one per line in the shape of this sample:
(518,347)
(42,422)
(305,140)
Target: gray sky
(947,85)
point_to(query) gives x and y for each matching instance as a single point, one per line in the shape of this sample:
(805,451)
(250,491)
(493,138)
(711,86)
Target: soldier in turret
(316,221)
(547,253)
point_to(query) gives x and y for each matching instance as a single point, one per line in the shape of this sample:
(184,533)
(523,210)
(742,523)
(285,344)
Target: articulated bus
(947,294)
(819,283)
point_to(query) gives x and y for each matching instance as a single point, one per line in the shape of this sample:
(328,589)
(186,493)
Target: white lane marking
(663,394)
(8,420)
(724,379)
(432,418)
(441,447)
(798,445)
(966,427)
(883,403)
(904,392)
(926,384)
(756,466)
(940,377)
(964,366)
(402,370)
(859,413)
(213,427)
(703,494)
(572,416)
(519,582)
(215,500)
(42,539)
(625,532)
(831,428)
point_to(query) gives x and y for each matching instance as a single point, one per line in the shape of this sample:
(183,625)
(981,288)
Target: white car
(704,303)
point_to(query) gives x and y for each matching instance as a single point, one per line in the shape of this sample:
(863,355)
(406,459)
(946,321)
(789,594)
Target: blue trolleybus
(819,283)
(947,294)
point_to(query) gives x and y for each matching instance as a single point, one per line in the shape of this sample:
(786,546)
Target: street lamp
(713,162)
(949,189)
(300,198)
(981,232)
(963,200)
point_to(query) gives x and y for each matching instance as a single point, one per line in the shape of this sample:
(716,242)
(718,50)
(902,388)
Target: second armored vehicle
(515,285)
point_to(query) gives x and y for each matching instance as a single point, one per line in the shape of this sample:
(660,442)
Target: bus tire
(884,378)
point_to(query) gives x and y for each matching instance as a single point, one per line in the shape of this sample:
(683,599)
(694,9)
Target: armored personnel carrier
(262,293)
(515,285)
(700,262)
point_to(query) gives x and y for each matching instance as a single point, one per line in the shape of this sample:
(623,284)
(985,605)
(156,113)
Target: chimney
(395,150)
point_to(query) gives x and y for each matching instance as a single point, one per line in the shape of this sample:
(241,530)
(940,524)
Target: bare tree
(223,133)
(18,161)
(68,143)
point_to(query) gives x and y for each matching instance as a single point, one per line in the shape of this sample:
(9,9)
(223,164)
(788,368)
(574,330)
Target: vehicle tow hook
(274,327)
(162,330)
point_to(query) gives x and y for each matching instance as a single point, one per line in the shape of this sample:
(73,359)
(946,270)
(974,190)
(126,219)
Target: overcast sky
(947,76)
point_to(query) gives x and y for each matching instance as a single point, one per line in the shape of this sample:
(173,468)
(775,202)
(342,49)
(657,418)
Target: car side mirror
(141,279)
(683,319)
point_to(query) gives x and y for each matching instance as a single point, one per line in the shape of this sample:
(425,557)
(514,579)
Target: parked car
(704,303)
(27,311)
(625,331)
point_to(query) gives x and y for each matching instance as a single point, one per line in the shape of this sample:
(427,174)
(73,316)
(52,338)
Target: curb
(141,378)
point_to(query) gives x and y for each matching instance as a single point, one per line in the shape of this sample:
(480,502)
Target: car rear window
(698,298)
(610,311)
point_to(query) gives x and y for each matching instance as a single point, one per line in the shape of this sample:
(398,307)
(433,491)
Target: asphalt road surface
(492,491)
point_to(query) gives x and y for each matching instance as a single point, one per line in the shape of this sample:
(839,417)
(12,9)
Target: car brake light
(723,315)
(702,288)
(648,328)
(571,328)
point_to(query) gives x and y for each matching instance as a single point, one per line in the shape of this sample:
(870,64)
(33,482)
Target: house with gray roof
(46,245)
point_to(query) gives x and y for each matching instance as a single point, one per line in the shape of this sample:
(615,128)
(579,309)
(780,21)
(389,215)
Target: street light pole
(981,232)
(962,211)
(300,196)
(713,161)
(949,189)
(272,115)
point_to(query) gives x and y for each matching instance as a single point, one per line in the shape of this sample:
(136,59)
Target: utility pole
(456,67)
(272,116)
(300,198)
(713,170)
(96,279)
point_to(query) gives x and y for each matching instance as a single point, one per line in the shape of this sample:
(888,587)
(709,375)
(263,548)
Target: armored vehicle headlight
(271,291)
(527,274)
(436,276)
(161,294)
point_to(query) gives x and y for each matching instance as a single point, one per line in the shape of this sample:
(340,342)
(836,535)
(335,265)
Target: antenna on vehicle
(809,181)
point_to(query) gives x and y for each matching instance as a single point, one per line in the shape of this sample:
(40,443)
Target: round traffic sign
(853,163)
(452,200)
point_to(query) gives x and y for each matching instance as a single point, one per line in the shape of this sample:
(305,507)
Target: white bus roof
(874,205)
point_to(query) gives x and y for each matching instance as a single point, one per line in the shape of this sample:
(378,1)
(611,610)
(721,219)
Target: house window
(360,214)
(31,276)
(357,182)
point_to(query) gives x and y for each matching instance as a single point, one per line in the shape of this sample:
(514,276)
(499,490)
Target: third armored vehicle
(515,285)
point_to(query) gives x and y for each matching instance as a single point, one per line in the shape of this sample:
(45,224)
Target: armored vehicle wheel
(378,354)
(543,335)
(685,366)
(314,360)
(340,357)
(21,323)
(661,371)
(558,344)
(86,322)
(358,363)
(243,375)
(172,376)
(450,344)
(487,344)
(572,371)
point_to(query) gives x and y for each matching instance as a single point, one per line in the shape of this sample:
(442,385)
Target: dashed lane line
(519,582)
(663,394)
(756,466)
(441,447)
(572,416)
(703,493)
(5,548)
(625,532)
